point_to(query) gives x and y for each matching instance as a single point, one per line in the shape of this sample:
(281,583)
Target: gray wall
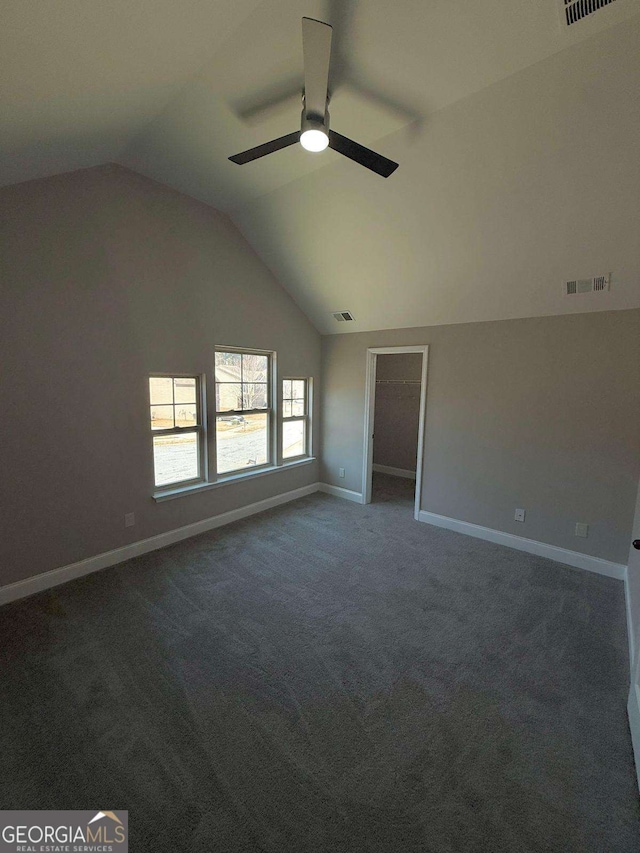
(397,410)
(106,277)
(541,413)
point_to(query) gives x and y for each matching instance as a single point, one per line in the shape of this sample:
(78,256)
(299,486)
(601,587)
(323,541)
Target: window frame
(209,478)
(305,418)
(200,428)
(270,411)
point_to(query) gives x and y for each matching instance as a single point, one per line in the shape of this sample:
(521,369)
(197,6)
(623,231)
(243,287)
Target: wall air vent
(597,284)
(601,282)
(572,11)
(341,316)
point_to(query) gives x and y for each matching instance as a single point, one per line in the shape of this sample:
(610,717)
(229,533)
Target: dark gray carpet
(327,677)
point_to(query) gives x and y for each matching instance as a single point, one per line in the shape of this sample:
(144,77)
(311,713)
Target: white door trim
(633,625)
(633,711)
(369,414)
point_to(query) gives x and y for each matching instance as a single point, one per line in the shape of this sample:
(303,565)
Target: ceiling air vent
(597,284)
(341,316)
(572,11)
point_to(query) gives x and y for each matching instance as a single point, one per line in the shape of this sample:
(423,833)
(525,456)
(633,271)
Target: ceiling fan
(314,133)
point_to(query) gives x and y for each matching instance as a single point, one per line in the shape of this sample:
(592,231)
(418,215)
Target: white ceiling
(161,87)
(80,80)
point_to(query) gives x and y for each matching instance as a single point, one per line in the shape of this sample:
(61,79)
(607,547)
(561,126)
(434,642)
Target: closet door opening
(394,426)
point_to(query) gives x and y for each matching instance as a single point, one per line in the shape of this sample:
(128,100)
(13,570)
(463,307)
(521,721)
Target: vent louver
(597,284)
(573,11)
(341,316)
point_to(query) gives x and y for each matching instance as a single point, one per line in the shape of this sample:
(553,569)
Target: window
(243,410)
(295,415)
(248,437)
(176,426)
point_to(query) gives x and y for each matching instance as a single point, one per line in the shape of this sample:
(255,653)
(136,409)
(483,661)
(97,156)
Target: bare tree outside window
(243,410)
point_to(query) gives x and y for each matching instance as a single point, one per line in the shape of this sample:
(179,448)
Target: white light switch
(130,519)
(519,516)
(582,530)
(341,472)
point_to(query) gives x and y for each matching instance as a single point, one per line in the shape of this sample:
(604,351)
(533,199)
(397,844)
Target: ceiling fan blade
(365,156)
(272,100)
(316,46)
(254,113)
(266,148)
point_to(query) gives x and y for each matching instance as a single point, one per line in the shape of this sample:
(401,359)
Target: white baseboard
(337,492)
(55,577)
(531,546)
(394,472)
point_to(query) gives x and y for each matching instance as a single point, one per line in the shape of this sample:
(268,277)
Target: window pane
(297,388)
(254,367)
(297,407)
(293,443)
(184,390)
(186,415)
(162,417)
(286,389)
(160,390)
(175,458)
(228,367)
(241,442)
(228,396)
(254,396)
(286,408)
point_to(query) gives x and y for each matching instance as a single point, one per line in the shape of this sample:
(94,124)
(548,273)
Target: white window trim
(271,412)
(208,414)
(200,429)
(308,382)
(171,494)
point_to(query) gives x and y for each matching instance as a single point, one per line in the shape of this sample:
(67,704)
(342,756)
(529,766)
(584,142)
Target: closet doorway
(395,408)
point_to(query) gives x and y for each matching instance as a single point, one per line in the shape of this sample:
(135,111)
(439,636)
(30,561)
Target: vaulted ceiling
(480,103)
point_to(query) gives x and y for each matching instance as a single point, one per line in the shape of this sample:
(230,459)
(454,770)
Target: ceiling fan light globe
(314,140)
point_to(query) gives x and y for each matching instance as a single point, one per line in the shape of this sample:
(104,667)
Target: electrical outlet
(520,514)
(130,519)
(582,530)
(341,472)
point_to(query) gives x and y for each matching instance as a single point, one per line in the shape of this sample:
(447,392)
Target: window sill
(170,494)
